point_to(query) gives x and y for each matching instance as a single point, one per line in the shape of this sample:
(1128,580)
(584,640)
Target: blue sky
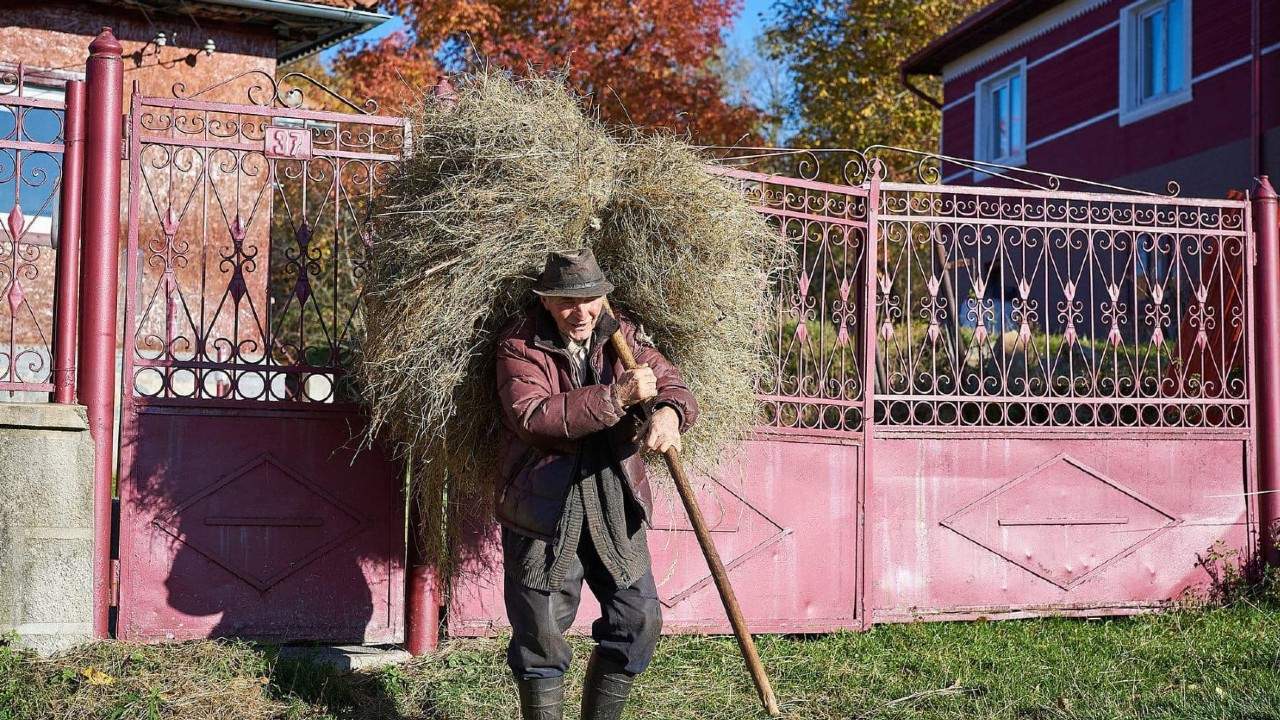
(749,23)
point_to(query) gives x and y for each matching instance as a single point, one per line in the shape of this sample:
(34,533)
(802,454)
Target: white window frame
(982,118)
(1132,107)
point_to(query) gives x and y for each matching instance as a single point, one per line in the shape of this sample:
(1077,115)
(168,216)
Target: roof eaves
(320,44)
(346,22)
(981,27)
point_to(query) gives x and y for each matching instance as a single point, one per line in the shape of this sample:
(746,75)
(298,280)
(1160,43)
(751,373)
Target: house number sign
(288,143)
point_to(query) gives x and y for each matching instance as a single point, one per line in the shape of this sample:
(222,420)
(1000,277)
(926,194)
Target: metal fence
(1025,306)
(1032,307)
(33,124)
(250,222)
(1009,307)
(817,381)
(910,306)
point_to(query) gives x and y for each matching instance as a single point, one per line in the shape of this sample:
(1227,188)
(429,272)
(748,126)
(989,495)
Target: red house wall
(49,35)
(1204,143)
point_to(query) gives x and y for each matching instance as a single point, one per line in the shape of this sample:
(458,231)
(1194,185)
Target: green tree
(844,55)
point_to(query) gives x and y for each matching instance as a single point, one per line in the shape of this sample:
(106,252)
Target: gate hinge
(115,583)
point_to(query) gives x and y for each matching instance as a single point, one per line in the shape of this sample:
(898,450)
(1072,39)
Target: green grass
(1183,665)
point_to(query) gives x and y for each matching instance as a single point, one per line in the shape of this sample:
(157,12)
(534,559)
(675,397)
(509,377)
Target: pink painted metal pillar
(68,277)
(1266,227)
(422,606)
(100,264)
(869,330)
(422,624)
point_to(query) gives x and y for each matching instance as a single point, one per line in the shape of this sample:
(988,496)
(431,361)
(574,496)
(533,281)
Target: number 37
(292,143)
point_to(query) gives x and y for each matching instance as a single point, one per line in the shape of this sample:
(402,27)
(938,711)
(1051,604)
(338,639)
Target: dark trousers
(626,632)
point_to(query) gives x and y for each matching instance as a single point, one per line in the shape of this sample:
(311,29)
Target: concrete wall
(46,525)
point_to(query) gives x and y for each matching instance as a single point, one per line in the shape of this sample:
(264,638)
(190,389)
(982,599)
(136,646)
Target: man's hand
(635,386)
(664,430)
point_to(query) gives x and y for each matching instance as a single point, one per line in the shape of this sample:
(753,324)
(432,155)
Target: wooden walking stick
(718,573)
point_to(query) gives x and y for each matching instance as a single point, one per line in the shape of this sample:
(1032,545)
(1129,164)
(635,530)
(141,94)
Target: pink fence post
(422,597)
(68,277)
(422,628)
(1266,227)
(869,327)
(100,264)
(422,591)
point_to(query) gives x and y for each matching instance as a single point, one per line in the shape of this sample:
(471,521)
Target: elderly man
(572,496)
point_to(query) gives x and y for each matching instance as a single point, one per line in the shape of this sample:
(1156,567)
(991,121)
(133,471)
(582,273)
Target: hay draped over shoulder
(514,170)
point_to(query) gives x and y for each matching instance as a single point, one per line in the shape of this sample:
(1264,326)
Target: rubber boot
(541,698)
(605,689)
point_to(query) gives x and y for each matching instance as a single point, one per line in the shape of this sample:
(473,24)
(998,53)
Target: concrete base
(46,525)
(346,657)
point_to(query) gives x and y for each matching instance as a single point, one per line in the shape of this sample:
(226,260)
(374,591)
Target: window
(35,189)
(1155,57)
(1000,125)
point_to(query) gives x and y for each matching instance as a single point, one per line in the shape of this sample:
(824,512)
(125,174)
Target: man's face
(576,317)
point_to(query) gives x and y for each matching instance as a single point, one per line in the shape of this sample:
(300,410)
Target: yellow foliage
(844,58)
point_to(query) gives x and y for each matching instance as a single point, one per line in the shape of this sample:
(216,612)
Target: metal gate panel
(1048,309)
(236,524)
(246,509)
(999,526)
(765,520)
(40,117)
(1064,407)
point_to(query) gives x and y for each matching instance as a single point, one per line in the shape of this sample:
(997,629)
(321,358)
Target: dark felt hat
(572,274)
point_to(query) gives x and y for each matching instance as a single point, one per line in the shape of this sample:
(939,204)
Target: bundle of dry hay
(513,170)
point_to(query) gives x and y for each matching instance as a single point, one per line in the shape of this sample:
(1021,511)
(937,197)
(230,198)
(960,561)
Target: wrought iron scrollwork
(264,90)
(1050,309)
(252,258)
(31,147)
(853,166)
(1028,306)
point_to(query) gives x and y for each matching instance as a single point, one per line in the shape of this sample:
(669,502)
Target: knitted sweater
(598,503)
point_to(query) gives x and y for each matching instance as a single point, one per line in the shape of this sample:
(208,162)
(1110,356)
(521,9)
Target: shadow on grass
(464,680)
(328,692)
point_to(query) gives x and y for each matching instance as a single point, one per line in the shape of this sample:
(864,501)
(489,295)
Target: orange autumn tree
(650,63)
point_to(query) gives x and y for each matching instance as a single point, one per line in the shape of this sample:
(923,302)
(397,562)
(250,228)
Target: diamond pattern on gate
(741,531)
(1062,521)
(262,522)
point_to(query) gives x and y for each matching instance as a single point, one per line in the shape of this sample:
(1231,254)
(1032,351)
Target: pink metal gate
(1064,417)
(988,402)
(246,509)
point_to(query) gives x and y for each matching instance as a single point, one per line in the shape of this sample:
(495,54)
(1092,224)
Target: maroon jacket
(545,415)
